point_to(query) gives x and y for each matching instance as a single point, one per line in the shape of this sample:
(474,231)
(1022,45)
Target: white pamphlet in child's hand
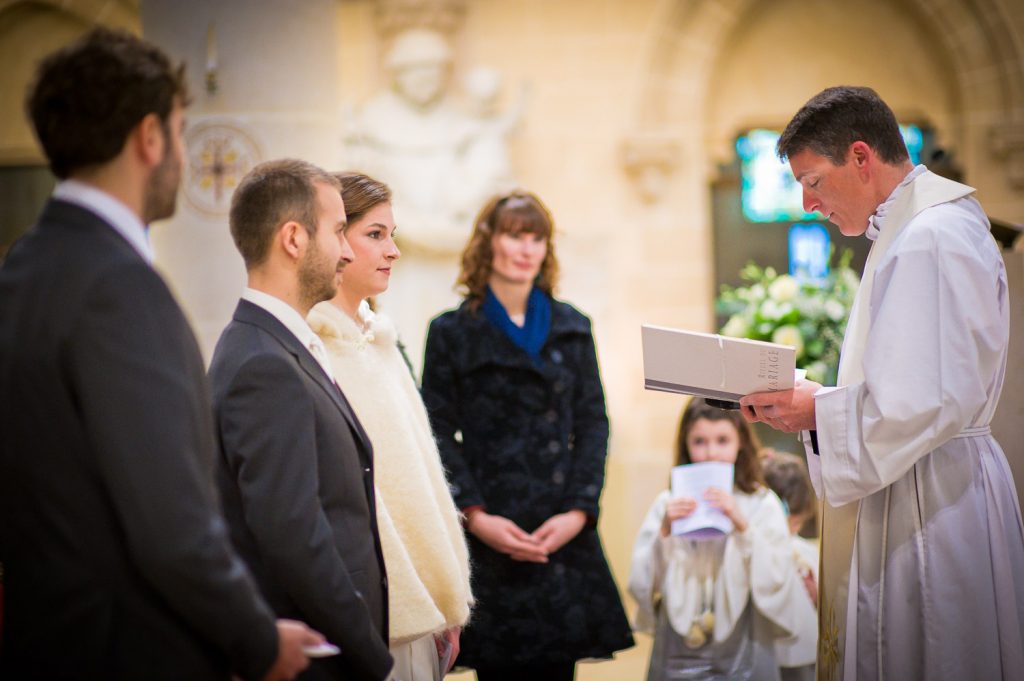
(692,480)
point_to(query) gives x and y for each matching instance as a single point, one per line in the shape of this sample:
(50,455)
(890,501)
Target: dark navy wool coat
(527,442)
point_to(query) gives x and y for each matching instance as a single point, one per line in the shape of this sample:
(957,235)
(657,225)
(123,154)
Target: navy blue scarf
(531,336)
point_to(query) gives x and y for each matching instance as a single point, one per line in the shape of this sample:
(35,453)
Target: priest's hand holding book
(761,376)
(787,410)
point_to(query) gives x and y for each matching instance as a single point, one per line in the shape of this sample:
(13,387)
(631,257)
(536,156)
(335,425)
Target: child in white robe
(716,607)
(786,475)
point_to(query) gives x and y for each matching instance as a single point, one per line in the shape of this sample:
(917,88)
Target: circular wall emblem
(219,154)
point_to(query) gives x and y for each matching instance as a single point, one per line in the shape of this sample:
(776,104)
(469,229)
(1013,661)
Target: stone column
(1008,422)
(263,80)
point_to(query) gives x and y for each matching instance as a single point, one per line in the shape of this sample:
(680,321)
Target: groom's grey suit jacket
(296,477)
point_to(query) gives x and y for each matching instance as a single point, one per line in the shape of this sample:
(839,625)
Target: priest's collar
(875,221)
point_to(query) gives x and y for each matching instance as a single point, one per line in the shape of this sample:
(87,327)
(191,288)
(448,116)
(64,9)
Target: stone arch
(984,44)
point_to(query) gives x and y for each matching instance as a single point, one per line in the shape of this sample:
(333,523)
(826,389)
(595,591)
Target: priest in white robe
(922,573)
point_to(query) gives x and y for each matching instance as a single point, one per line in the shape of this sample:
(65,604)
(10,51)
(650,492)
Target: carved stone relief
(1007,143)
(649,160)
(443,148)
(220,153)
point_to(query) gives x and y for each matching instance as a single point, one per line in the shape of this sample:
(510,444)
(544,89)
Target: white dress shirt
(119,216)
(293,321)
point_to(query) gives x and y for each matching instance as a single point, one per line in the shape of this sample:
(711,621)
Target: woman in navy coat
(514,394)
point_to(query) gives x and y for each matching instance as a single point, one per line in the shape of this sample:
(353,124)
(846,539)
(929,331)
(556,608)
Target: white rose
(736,327)
(835,310)
(810,306)
(784,288)
(850,279)
(789,335)
(816,371)
(771,310)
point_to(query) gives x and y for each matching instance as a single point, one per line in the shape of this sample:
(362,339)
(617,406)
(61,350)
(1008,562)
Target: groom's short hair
(270,195)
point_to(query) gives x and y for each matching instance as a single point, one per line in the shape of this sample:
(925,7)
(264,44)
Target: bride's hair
(361,193)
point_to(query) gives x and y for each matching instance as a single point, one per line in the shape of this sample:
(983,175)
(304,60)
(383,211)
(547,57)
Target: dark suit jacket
(296,475)
(117,562)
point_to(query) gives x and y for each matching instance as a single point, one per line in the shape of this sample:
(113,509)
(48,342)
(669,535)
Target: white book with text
(714,366)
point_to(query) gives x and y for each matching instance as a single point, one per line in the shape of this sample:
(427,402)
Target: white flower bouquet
(807,315)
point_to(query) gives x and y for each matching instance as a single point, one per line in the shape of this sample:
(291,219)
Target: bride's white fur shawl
(424,548)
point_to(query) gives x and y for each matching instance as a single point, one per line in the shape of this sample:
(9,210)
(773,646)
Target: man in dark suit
(117,563)
(296,470)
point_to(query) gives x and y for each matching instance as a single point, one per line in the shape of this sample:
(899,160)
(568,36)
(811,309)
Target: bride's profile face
(372,239)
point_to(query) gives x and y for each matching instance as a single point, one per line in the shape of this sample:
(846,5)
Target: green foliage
(808,315)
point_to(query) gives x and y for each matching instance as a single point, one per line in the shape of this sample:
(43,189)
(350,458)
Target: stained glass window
(809,249)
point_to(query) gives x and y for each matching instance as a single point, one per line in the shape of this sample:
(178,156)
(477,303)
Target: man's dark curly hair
(87,97)
(837,117)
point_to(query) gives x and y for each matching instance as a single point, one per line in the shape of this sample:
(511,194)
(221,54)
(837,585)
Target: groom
(296,468)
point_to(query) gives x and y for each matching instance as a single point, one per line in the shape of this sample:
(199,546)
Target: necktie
(319,352)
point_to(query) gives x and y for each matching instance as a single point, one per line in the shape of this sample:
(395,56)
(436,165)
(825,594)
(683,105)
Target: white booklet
(714,366)
(692,480)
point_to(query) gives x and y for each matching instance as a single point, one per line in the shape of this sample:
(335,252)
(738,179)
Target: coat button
(556,356)
(558,477)
(559,386)
(366,471)
(554,447)
(551,416)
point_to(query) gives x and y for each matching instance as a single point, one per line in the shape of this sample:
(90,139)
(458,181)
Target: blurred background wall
(623,115)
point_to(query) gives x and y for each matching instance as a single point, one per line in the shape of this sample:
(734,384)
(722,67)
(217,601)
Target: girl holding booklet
(716,606)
